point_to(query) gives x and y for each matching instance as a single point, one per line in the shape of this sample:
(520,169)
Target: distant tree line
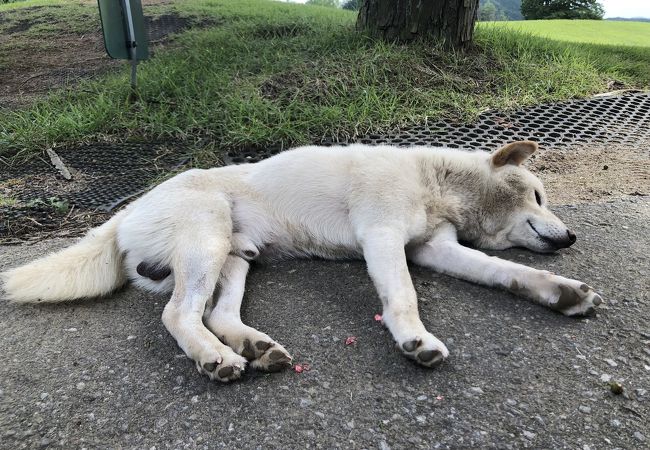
(490,10)
(562,9)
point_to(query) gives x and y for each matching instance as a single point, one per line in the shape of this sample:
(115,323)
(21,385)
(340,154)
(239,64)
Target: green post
(124,33)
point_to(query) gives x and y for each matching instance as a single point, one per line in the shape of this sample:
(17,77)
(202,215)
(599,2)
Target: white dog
(387,205)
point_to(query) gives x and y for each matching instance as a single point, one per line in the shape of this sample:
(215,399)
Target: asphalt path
(106,374)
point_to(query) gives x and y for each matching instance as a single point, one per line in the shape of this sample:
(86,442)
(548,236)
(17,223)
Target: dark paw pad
(209,367)
(431,358)
(248,352)
(277,355)
(568,298)
(263,346)
(410,346)
(225,372)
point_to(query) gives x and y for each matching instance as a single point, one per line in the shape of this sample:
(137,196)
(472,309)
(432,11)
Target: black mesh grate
(103,177)
(620,119)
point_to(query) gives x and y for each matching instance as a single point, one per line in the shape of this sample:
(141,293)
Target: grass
(603,32)
(276,73)
(7,201)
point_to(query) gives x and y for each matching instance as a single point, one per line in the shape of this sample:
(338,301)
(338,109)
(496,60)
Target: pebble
(529,435)
(81,385)
(422,398)
(45,395)
(640,392)
(421,419)
(476,390)
(584,409)
(195,399)
(383,445)
(605,378)
(639,436)
(511,402)
(615,423)
(305,402)
(611,362)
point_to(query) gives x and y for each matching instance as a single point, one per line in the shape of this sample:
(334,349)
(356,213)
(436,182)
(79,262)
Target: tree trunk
(451,21)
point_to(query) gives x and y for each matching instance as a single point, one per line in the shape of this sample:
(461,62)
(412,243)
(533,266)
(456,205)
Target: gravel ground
(105,373)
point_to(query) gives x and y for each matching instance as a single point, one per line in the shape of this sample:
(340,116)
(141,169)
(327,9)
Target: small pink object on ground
(300,368)
(351,340)
(378,318)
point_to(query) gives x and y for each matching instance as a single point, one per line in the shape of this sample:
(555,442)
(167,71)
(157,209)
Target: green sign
(124,32)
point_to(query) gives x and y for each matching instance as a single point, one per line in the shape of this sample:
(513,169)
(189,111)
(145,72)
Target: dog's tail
(90,268)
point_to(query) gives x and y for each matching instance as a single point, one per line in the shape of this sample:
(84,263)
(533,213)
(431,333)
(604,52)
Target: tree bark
(451,21)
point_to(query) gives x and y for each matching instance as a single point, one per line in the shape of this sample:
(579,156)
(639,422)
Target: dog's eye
(538,198)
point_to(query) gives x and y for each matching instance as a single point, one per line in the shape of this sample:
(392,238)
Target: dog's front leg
(383,250)
(444,254)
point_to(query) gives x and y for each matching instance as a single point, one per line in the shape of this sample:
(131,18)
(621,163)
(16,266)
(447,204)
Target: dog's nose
(572,237)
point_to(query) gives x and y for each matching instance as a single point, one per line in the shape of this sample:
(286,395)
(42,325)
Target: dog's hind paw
(274,359)
(228,368)
(258,348)
(576,299)
(426,350)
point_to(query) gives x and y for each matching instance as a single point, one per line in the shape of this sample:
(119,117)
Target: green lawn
(586,31)
(278,73)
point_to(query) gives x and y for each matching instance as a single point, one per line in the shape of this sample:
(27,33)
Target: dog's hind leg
(225,321)
(383,250)
(201,246)
(444,254)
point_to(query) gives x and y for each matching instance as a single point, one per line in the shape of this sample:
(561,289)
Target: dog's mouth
(552,244)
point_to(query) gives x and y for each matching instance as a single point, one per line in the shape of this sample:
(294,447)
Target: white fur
(379,203)
(91,268)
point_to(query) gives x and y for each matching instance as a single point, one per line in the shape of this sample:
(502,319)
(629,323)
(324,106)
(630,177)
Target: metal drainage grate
(104,176)
(620,119)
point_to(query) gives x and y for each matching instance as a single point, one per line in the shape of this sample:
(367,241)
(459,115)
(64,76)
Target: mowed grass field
(585,31)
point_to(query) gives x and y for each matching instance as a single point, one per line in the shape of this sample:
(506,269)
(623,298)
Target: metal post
(132,45)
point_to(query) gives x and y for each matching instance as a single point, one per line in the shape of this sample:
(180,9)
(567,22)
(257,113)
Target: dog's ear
(514,153)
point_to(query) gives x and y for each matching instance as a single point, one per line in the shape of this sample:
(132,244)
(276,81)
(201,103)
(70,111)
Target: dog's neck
(457,181)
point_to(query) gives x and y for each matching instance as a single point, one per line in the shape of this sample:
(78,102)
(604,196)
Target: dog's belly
(322,231)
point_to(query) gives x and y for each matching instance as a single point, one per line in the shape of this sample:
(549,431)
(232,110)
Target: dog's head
(515,212)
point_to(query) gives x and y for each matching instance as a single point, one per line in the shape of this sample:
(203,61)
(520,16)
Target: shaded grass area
(274,73)
(606,32)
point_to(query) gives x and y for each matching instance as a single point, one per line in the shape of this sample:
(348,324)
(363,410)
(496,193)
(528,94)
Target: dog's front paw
(426,350)
(573,298)
(226,367)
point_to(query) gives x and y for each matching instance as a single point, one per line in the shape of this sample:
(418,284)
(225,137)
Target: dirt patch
(32,64)
(594,173)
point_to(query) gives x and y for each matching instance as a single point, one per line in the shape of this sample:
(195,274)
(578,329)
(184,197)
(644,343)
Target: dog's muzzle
(557,243)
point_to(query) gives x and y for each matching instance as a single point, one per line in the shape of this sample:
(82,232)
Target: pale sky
(613,8)
(626,8)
